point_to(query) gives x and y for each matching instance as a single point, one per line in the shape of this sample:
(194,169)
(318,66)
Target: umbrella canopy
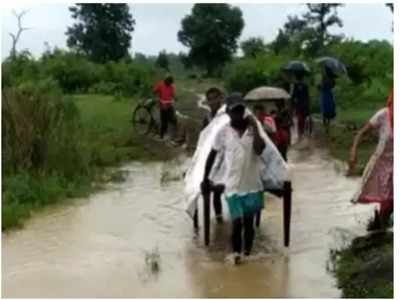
(267,93)
(333,64)
(296,66)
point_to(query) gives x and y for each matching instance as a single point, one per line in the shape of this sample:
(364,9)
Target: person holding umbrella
(331,69)
(301,100)
(327,98)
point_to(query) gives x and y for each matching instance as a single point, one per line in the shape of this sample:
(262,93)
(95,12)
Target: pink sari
(377,180)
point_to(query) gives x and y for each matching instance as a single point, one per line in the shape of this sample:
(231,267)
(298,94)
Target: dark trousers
(283,151)
(217,203)
(243,227)
(167,115)
(301,118)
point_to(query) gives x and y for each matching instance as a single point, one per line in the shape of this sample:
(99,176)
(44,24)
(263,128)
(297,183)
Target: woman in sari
(377,180)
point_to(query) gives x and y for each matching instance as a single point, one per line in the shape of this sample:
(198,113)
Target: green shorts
(247,204)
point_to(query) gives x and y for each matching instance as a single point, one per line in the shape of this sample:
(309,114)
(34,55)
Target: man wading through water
(240,144)
(165,90)
(214,97)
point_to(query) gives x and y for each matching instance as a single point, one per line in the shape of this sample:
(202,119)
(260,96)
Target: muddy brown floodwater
(98,246)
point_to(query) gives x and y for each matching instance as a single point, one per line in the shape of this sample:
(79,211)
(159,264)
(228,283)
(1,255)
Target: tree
(211,32)
(15,37)
(253,47)
(184,58)
(320,17)
(162,60)
(295,37)
(102,31)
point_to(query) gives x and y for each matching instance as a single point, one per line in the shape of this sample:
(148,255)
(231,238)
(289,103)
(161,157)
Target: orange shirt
(165,93)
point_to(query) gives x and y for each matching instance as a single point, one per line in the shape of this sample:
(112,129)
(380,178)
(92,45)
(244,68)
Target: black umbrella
(333,65)
(297,67)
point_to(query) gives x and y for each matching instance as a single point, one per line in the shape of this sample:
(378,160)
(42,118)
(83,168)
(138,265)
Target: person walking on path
(165,90)
(377,180)
(327,98)
(301,102)
(241,145)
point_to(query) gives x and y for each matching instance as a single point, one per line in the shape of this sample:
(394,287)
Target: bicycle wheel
(142,120)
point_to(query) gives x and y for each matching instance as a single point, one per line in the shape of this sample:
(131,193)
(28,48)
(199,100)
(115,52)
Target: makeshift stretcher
(274,175)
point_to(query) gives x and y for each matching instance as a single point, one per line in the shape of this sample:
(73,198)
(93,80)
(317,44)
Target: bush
(38,123)
(73,73)
(76,74)
(129,78)
(249,73)
(19,69)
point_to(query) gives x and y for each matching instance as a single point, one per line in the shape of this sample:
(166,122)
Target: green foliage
(308,35)
(249,73)
(320,17)
(76,74)
(21,68)
(37,123)
(365,60)
(102,31)
(253,47)
(162,60)
(211,32)
(23,193)
(291,37)
(365,268)
(370,68)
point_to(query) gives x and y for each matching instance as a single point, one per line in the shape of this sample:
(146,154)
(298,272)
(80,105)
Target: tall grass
(79,137)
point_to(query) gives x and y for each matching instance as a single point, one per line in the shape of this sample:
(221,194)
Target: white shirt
(242,164)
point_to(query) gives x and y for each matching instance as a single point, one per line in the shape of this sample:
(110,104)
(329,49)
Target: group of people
(240,144)
(300,99)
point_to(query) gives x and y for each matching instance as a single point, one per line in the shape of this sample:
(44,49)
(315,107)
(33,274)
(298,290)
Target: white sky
(157,24)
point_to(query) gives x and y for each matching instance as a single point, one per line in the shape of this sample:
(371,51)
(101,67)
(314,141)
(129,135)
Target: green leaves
(211,33)
(101,31)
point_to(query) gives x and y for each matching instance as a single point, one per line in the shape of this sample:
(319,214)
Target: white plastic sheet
(274,170)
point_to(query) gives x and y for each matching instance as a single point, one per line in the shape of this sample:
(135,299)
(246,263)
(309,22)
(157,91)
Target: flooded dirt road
(98,246)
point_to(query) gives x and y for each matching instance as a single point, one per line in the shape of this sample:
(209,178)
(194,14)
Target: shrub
(249,73)
(37,123)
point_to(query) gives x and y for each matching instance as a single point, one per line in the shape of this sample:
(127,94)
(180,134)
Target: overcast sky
(157,24)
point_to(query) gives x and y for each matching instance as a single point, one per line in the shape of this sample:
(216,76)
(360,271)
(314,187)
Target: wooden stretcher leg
(287,210)
(206,201)
(196,220)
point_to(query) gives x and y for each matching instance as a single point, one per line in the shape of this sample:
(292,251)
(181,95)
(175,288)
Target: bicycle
(143,119)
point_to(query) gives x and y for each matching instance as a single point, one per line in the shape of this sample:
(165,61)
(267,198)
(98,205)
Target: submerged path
(98,246)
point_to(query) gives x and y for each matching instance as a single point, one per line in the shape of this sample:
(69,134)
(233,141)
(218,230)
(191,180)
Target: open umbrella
(333,64)
(296,66)
(267,93)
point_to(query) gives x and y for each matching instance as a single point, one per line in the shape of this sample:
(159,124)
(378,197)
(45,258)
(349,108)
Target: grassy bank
(365,268)
(107,139)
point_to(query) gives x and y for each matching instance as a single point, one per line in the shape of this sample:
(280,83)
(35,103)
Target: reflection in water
(98,247)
